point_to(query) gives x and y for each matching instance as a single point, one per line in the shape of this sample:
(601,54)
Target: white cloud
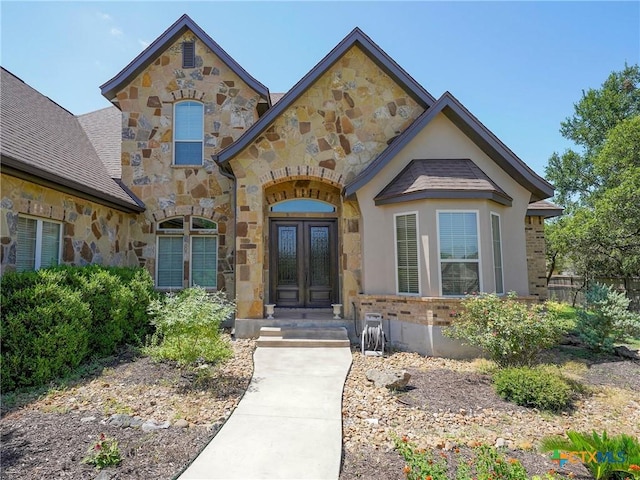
(105,16)
(115,31)
(143,43)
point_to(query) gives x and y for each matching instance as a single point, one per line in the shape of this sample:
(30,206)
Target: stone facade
(536,257)
(328,135)
(91,233)
(147,104)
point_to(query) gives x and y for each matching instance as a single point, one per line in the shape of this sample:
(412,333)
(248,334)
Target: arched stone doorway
(303,241)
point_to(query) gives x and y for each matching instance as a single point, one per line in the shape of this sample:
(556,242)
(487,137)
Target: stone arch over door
(302,247)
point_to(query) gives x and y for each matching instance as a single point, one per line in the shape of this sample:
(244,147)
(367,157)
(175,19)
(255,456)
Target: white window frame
(395,252)
(201,141)
(495,279)
(158,237)
(191,238)
(479,261)
(37,261)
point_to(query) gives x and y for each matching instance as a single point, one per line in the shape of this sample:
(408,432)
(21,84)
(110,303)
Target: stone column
(536,257)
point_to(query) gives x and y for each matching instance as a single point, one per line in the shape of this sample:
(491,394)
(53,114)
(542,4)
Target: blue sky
(518,66)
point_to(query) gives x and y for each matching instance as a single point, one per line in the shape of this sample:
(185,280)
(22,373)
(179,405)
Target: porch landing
(298,318)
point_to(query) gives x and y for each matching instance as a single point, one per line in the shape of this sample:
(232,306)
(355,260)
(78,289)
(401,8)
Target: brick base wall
(536,257)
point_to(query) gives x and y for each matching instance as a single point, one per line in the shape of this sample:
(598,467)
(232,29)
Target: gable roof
(474,130)
(149,54)
(441,178)
(355,38)
(44,143)
(103,128)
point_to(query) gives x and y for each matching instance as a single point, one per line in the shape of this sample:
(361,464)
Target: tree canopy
(599,185)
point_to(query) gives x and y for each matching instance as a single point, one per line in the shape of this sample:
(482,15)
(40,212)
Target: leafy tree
(600,185)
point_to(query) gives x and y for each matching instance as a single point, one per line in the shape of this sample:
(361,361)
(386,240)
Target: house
(356,187)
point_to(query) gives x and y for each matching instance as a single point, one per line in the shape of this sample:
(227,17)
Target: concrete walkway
(289,422)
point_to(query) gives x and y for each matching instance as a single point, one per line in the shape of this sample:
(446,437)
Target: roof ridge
(355,38)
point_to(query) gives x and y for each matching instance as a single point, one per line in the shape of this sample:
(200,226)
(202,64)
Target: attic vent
(188,54)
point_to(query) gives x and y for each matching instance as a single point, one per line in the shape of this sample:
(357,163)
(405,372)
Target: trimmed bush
(540,387)
(510,332)
(188,327)
(45,333)
(56,318)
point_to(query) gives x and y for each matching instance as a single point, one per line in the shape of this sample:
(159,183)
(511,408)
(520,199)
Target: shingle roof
(41,139)
(103,127)
(441,178)
(544,208)
(448,105)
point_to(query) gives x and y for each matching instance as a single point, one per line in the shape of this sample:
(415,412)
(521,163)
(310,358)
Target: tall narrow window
(170,262)
(188,133)
(188,54)
(497,252)
(407,264)
(38,244)
(459,252)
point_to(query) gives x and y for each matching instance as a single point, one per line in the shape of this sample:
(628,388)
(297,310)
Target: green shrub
(188,326)
(510,332)
(56,318)
(540,387)
(620,447)
(45,333)
(606,318)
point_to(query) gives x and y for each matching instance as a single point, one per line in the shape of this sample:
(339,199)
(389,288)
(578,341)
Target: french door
(303,263)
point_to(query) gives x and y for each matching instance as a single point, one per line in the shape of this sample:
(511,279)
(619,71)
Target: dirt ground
(447,404)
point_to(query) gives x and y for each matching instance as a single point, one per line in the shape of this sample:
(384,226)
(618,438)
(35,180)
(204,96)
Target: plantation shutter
(170,262)
(188,133)
(407,254)
(26,248)
(204,261)
(50,244)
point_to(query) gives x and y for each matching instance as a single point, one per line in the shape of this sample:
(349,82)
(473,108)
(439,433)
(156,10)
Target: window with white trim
(407,264)
(496,240)
(188,128)
(200,234)
(459,253)
(38,243)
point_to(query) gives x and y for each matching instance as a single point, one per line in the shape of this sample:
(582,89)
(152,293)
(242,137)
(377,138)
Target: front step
(326,337)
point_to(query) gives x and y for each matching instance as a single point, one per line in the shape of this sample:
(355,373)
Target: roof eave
(355,38)
(184,23)
(19,169)
(545,212)
(476,131)
(443,194)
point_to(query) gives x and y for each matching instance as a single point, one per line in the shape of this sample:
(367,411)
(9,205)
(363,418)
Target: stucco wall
(441,139)
(147,104)
(91,233)
(329,134)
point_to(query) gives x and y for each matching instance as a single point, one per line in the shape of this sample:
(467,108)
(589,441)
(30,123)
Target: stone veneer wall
(536,257)
(330,134)
(92,233)
(230,107)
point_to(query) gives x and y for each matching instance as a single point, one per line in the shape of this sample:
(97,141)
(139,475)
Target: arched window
(188,134)
(303,205)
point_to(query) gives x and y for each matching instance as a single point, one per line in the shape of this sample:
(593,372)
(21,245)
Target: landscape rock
(105,475)
(181,423)
(391,379)
(152,425)
(88,419)
(123,420)
(626,352)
